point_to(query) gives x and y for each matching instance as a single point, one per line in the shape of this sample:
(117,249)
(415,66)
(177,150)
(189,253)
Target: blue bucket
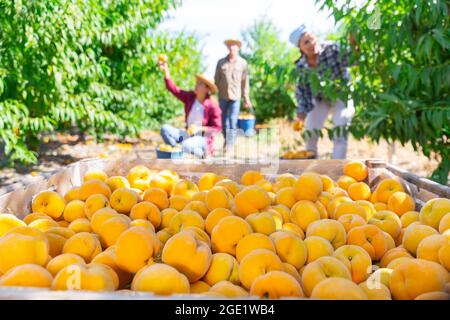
(168,155)
(247,125)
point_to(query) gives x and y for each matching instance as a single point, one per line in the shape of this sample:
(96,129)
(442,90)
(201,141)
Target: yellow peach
(27,275)
(252,242)
(317,247)
(432,212)
(356,259)
(256,263)
(232,186)
(356,169)
(9,222)
(135,247)
(63,260)
(350,221)
(338,288)
(444,255)
(214,217)
(435,295)
(95,174)
(56,244)
(380,276)
(371,238)
(308,186)
(72,194)
(84,244)
(387,221)
(251,177)
(100,216)
(380,292)
(227,233)
(116,182)
(92,187)
(428,248)
(292,227)
(178,202)
(229,290)
(385,189)
(349,208)
(184,187)
(321,269)
(123,199)
(409,217)
(275,285)
(108,258)
(43,224)
(94,276)
(401,202)
(189,256)
(251,199)
(414,277)
(359,191)
(303,213)
(393,254)
(166,216)
(80,225)
(186,218)
(199,287)
(444,224)
(285,196)
(74,210)
(345,182)
(290,248)
(111,229)
(329,229)
(223,267)
(23,248)
(148,211)
(28,219)
(414,234)
(262,222)
(49,202)
(94,203)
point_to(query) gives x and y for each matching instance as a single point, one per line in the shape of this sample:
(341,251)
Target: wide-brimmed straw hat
(209,83)
(230,42)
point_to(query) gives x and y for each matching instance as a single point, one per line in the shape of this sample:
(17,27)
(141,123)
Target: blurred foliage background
(86,64)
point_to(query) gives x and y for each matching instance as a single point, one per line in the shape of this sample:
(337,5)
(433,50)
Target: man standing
(233,83)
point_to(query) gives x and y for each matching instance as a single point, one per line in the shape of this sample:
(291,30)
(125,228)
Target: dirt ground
(58,151)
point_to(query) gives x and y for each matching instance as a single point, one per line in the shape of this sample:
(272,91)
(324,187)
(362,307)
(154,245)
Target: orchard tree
(86,64)
(401,84)
(273,77)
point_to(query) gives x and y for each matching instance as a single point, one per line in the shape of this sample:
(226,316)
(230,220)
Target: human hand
(248,104)
(299,124)
(193,130)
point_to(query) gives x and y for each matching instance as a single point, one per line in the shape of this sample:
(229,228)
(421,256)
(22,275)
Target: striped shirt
(331,63)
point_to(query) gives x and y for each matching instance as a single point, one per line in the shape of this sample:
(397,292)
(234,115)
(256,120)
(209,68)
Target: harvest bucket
(168,155)
(246,123)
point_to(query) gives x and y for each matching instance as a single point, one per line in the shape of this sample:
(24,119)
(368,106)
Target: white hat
(296,35)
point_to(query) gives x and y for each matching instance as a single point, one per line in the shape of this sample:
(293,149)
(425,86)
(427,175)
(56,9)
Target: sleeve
(301,99)
(215,120)
(181,95)
(217,74)
(246,83)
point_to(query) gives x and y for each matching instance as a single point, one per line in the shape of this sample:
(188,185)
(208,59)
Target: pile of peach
(305,236)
